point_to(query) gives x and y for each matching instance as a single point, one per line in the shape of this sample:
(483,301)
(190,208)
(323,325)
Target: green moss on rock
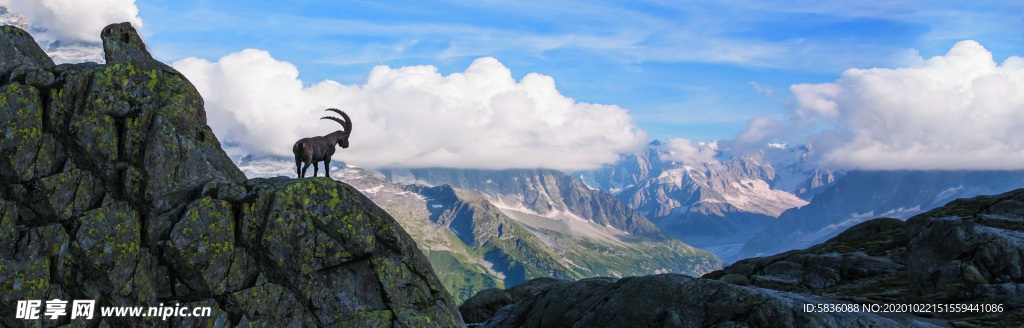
(23,281)
(202,244)
(20,128)
(108,241)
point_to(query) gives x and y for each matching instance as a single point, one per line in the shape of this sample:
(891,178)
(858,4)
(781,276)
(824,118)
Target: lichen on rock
(115,189)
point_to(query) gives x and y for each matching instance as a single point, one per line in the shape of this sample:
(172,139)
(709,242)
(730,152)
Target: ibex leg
(305,165)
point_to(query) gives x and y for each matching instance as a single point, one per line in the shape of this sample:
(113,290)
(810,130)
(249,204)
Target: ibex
(319,149)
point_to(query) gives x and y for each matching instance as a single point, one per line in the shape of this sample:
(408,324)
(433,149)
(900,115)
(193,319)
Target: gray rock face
(672,300)
(17,48)
(486,303)
(122,43)
(113,188)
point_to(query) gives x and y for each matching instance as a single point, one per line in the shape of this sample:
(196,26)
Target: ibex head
(346,125)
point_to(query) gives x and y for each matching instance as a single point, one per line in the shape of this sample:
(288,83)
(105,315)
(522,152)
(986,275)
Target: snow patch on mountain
(373,190)
(948,192)
(902,212)
(864,216)
(753,194)
(675,176)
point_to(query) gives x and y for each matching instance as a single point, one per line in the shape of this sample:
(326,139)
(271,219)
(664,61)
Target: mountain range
(777,200)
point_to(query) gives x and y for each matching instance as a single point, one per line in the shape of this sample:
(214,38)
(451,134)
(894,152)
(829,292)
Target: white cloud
(412,116)
(958,111)
(819,98)
(74,20)
(686,152)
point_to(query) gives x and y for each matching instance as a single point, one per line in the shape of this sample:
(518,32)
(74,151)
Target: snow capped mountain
(777,200)
(716,205)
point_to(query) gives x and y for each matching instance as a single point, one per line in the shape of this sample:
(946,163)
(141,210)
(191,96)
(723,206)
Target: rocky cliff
(114,189)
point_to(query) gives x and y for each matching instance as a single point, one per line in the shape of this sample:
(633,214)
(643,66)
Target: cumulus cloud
(686,151)
(412,116)
(962,110)
(74,20)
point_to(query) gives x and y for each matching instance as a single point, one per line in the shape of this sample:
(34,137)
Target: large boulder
(18,48)
(115,189)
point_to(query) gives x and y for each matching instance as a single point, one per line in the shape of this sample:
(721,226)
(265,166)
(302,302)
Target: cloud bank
(73,20)
(412,116)
(962,110)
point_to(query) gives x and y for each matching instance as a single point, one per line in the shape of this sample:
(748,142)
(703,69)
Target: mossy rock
(332,247)
(108,242)
(114,188)
(202,244)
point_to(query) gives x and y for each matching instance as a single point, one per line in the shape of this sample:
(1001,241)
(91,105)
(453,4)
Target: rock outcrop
(114,189)
(486,303)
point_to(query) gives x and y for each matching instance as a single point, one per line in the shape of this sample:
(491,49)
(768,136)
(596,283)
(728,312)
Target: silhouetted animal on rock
(319,149)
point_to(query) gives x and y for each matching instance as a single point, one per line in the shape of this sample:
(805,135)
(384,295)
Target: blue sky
(683,69)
